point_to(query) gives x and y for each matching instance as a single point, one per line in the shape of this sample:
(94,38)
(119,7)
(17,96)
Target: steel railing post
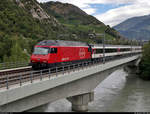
(69,69)
(56,71)
(20,80)
(104,49)
(63,70)
(41,74)
(31,75)
(49,72)
(74,67)
(7,82)
(82,65)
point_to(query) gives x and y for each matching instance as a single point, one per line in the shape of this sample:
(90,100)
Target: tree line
(145,63)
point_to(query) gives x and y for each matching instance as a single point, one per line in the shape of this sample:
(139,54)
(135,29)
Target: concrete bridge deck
(74,83)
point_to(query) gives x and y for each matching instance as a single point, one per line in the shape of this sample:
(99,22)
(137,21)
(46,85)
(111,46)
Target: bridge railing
(6,81)
(9,65)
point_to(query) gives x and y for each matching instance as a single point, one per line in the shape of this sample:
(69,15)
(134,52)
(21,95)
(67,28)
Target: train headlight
(44,61)
(33,61)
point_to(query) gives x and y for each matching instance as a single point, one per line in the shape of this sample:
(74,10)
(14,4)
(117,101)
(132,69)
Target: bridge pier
(80,102)
(132,68)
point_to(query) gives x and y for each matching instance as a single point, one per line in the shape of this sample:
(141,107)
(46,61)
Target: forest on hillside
(20,30)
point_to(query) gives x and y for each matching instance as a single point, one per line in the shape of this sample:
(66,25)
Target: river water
(120,92)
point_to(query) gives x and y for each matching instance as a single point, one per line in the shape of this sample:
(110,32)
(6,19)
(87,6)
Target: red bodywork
(64,54)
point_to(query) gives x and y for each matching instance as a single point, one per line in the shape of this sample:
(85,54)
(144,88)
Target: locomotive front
(40,57)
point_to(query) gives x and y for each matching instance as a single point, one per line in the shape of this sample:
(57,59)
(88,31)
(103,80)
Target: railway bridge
(24,91)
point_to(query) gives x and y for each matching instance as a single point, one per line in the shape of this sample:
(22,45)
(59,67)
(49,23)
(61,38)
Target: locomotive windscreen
(61,43)
(41,50)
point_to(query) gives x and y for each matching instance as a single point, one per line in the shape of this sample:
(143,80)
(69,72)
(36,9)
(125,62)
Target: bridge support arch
(80,102)
(133,68)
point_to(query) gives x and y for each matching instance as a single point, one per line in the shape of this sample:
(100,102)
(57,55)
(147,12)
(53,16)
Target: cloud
(85,3)
(118,15)
(114,16)
(89,11)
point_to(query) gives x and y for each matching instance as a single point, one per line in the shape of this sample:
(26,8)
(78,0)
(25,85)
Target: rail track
(14,70)
(26,74)
(20,76)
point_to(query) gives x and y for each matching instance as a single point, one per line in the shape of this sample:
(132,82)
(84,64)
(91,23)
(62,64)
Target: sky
(111,12)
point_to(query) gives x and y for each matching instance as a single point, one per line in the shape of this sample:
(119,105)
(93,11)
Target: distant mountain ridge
(135,28)
(79,22)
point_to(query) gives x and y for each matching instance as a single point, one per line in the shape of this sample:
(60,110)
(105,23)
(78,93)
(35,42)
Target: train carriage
(50,53)
(113,50)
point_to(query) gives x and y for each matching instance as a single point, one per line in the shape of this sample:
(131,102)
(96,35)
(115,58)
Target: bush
(145,63)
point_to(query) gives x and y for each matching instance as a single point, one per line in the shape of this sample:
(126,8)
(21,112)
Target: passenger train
(51,53)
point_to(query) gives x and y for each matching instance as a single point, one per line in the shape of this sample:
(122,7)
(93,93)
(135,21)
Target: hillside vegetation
(23,23)
(19,30)
(80,23)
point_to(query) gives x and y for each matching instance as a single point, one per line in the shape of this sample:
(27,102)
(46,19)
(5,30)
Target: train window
(138,49)
(106,51)
(110,50)
(125,49)
(41,50)
(53,50)
(99,51)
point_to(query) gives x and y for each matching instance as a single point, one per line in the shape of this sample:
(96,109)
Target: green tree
(5,58)
(17,54)
(145,63)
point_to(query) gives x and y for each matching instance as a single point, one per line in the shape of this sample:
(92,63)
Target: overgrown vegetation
(145,63)
(15,48)
(19,32)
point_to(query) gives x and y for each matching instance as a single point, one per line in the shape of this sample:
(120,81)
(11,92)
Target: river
(120,92)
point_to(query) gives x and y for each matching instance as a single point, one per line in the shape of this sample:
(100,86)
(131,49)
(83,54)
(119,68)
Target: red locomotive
(50,53)
(55,52)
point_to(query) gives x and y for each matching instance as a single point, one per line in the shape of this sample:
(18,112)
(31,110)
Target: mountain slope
(27,18)
(135,28)
(79,22)
(68,13)
(22,24)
